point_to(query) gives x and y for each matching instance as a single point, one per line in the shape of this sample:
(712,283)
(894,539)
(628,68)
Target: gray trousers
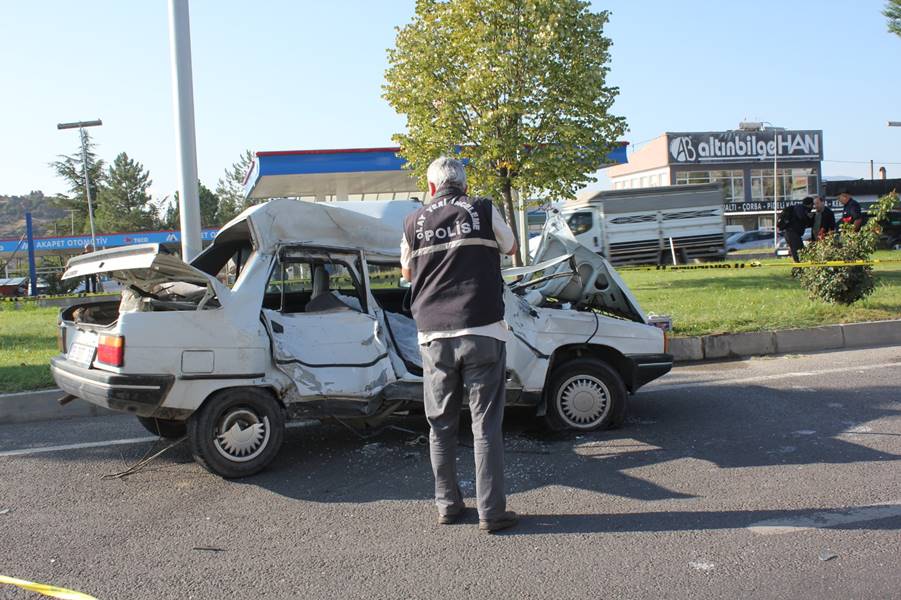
(471,367)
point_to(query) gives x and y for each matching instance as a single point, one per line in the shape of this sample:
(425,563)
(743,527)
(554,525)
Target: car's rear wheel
(237,432)
(165,428)
(585,394)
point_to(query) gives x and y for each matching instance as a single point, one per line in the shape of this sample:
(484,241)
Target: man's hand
(406,274)
(514,249)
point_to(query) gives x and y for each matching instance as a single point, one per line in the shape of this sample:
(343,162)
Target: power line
(862,162)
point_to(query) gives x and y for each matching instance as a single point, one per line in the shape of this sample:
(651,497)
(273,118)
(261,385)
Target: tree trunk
(509,212)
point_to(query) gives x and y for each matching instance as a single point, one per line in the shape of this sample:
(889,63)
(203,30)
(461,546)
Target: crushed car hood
(567,271)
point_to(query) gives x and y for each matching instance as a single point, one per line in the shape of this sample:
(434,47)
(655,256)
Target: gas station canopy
(341,174)
(329,174)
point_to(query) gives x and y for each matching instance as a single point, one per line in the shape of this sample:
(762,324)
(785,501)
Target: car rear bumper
(132,393)
(644,368)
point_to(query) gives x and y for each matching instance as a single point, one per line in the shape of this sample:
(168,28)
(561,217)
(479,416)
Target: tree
(70,168)
(846,285)
(517,88)
(892,12)
(230,188)
(124,204)
(209,209)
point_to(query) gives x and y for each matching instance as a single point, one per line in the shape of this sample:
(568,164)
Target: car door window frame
(339,256)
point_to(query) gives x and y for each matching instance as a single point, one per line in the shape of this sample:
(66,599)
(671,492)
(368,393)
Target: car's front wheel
(585,394)
(237,432)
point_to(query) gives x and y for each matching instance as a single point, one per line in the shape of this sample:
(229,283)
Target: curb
(786,341)
(42,405)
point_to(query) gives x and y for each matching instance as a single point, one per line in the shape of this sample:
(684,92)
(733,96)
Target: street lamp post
(758,126)
(80,126)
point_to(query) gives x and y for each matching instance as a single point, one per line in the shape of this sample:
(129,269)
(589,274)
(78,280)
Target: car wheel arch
(607,354)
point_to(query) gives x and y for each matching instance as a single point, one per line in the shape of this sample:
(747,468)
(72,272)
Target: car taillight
(666,342)
(61,337)
(111,350)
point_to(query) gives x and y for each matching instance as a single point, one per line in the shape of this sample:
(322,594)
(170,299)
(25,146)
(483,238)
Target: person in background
(798,221)
(823,219)
(851,212)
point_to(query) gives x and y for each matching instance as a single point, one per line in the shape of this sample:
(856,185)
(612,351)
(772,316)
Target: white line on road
(758,378)
(25,451)
(825,519)
(122,442)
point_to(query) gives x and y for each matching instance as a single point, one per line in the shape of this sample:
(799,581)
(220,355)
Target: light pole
(758,126)
(186,145)
(80,126)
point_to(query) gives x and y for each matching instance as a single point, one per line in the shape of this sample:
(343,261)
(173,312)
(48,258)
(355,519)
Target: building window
(791,185)
(733,183)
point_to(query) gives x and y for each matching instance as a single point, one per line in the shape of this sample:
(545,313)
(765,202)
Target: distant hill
(43,215)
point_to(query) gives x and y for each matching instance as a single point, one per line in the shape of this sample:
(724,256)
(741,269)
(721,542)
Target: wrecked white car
(296,311)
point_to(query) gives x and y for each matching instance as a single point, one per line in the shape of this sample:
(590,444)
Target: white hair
(446,171)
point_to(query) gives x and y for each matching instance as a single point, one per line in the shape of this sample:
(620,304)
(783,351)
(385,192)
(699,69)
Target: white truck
(650,225)
(296,310)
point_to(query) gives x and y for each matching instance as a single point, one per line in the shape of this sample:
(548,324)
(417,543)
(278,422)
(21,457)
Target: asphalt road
(765,478)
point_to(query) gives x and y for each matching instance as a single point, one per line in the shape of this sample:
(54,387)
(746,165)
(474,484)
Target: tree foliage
(209,209)
(230,188)
(70,168)
(516,87)
(892,13)
(124,203)
(845,285)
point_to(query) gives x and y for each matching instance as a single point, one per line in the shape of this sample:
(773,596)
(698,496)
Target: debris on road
(5,511)
(208,549)
(827,555)
(701,565)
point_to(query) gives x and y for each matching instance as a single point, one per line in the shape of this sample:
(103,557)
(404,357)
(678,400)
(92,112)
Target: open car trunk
(565,271)
(152,279)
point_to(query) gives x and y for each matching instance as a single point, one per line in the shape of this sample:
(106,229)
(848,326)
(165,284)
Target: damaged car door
(325,334)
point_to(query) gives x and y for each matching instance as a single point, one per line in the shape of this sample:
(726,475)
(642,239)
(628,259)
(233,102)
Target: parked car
(890,238)
(749,240)
(782,246)
(315,326)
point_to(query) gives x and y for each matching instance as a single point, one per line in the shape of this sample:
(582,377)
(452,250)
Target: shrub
(845,285)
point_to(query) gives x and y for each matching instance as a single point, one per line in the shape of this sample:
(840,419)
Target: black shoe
(505,521)
(451,516)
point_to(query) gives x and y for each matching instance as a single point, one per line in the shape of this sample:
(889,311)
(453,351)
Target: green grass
(700,302)
(27,341)
(718,301)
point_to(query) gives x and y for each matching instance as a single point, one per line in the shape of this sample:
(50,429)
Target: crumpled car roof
(323,224)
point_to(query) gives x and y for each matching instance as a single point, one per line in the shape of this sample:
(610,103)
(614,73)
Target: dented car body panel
(304,300)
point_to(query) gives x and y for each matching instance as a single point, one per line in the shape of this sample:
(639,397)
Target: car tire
(165,428)
(237,432)
(585,394)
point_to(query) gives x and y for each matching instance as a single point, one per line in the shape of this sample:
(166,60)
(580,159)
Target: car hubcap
(583,401)
(241,435)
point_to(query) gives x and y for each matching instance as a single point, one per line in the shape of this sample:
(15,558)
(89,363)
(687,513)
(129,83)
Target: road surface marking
(122,442)
(826,519)
(759,378)
(40,450)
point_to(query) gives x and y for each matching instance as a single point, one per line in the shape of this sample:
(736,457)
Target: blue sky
(277,75)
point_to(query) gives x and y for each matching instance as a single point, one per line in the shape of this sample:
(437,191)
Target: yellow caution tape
(47,590)
(757,265)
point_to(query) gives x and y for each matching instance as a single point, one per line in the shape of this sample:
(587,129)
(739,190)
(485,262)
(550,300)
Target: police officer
(798,222)
(451,255)
(851,212)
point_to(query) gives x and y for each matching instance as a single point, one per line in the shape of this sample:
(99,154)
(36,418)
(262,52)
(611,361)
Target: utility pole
(185,141)
(80,126)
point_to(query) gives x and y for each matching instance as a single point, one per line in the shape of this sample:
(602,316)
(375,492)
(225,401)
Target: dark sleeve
(828,222)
